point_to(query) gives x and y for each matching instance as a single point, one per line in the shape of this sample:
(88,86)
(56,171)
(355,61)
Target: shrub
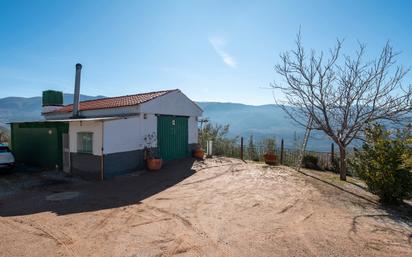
(253,155)
(310,162)
(383,163)
(222,144)
(269,145)
(335,165)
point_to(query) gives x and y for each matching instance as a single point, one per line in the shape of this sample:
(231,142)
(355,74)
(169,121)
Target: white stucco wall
(173,103)
(86,126)
(128,134)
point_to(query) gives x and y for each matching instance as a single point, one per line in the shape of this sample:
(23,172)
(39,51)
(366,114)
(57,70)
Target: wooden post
(281,152)
(332,154)
(241,148)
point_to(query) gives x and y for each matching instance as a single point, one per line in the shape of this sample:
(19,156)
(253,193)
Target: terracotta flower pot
(154,164)
(270,158)
(199,153)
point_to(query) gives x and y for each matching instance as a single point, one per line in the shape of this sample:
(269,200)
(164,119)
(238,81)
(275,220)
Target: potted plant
(153,161)
(270,155)
(198,152)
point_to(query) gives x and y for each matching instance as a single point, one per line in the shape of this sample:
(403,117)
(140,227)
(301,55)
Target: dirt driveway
(220,207)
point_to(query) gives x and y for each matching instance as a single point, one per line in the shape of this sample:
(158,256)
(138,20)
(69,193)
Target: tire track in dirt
(230,169)
(149,222)
(61,240)
(182,246)
(177,249)
(126,214)
(285,209)
(190,226)
(104,222)
(214,196)
(185,221)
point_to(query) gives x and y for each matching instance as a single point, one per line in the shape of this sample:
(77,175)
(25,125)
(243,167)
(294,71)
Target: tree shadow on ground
(338,187)
(357,185)
(383,222)
(93,196)
(401,214)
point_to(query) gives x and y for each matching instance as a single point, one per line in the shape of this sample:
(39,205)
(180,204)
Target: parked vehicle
(6,157)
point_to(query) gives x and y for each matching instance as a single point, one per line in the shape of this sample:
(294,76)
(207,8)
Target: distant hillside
(28,108)
(260,121)
(244,120)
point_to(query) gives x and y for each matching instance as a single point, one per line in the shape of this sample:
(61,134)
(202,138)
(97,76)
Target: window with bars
(85,142)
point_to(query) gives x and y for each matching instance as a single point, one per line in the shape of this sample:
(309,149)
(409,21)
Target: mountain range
(261,121)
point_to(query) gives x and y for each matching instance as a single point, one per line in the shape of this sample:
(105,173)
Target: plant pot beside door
(153,162)
(270,158)
(198,153)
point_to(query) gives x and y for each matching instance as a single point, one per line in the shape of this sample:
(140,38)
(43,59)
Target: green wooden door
(172,137)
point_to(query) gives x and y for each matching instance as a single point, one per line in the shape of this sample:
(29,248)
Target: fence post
(332,154)
(241,148)
(281,152)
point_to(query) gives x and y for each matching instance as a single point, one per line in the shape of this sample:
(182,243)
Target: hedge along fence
(285,156)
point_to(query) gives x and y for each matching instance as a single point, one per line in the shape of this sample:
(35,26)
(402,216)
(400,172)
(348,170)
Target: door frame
(66,167)
(173,117)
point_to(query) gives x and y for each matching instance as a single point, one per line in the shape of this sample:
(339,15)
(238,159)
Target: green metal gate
(172,137)
(38,143)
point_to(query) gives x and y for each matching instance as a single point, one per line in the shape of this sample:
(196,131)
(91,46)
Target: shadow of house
(93,196)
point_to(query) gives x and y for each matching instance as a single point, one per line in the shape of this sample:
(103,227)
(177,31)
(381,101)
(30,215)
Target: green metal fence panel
(172,137)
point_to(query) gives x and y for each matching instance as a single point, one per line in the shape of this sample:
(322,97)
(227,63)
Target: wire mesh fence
(285,156)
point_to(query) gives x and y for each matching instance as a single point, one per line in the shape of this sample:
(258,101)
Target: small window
(85,142)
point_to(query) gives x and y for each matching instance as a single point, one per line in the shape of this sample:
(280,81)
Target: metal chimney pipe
(76,96)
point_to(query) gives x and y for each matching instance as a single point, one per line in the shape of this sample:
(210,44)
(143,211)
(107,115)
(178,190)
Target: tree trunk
(342,170)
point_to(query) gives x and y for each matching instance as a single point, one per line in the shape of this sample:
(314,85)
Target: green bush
(269,145)
(251,149)
(222,144)
(383,163)
(310,162)
(335,165)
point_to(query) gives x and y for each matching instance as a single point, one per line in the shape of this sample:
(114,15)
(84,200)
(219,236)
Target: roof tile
(113,102)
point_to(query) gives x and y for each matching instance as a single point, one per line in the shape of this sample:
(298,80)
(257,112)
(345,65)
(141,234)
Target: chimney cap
(78,66)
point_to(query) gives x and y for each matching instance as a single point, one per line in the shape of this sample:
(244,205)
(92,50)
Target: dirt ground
(219,207)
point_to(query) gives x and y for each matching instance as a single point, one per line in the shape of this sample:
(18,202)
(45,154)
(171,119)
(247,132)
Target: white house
(107,136)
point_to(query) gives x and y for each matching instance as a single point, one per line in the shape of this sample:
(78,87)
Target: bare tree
(342,93)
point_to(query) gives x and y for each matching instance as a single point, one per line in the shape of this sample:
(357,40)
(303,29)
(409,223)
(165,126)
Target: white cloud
(218,45)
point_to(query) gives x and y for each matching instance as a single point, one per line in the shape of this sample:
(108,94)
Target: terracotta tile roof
(113,102)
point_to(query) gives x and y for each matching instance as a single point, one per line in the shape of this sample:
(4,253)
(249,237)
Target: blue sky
(211,50)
